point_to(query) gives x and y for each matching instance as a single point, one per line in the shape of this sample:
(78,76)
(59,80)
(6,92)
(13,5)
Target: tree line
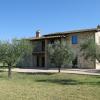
(60,53)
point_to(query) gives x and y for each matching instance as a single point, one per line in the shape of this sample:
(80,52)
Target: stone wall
(97,40)
(82,37)
(82,63)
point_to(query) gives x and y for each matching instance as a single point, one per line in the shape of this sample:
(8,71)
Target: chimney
(37,33)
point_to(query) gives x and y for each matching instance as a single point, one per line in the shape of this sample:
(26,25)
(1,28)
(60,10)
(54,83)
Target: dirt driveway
(75,71)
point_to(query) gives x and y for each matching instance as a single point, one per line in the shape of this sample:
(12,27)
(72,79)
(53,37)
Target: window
(74,39)
(51,42)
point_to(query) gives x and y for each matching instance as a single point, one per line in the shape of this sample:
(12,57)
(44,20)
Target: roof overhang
(61,34)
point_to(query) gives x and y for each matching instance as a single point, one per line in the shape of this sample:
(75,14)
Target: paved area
(75,71)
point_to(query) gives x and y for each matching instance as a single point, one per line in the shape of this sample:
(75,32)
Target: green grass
(50,86)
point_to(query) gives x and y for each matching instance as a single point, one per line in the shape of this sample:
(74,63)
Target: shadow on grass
(36,73)
(2,77)
(68,82)
(64,81)
(97,77)
(2,71)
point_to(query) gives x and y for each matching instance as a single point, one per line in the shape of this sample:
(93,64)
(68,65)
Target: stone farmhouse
(74,38)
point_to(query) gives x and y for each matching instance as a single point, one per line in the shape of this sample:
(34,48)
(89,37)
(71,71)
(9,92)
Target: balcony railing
(39,46)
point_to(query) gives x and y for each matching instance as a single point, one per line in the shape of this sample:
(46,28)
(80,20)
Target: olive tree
(90,50)
(60,53)
(11,52)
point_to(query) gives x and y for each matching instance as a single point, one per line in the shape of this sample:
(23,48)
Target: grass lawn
(50,86)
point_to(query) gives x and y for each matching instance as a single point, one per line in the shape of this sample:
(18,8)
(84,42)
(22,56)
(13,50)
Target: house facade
(40,57)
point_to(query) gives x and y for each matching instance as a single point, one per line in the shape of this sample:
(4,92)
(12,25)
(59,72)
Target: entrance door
(43,62)
(75,62)
(37,61)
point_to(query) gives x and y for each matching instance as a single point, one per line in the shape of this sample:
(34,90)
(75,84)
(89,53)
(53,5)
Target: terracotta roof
(73,31)
(41,38)
(61,34)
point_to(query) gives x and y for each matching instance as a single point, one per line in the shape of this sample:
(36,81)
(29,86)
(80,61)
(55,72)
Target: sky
(22,18)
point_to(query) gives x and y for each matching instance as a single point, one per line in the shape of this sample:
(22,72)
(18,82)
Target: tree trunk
(59,69)
(9,71)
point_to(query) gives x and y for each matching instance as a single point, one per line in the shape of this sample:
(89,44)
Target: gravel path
(75,71)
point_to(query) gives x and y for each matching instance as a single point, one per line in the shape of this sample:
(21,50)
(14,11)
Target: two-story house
(74,38)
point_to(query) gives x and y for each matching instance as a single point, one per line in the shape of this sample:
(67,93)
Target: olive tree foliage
(90,50)
(60,54)
(11,52)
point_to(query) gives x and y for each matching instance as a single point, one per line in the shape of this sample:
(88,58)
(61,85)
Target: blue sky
(21,18)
